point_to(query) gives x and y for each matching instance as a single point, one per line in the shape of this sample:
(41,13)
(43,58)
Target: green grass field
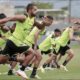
(72,74)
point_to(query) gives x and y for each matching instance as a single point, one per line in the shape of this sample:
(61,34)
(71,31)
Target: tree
(41,5)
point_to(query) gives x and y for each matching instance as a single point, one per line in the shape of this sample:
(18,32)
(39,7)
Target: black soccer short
(11,49)
(33,46)
(63,50)
(46,52)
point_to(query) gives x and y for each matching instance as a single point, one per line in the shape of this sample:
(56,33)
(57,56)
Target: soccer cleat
(22,74)
(36,77)
(49,68)
(42,69)
(10,72)
(64,67)
(29,68)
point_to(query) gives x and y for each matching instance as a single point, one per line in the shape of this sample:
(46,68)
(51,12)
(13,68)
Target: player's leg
(38,58)
(12,66)
(59,57)
(69,57)
(49,60)
(29,67)
(67,50)
(29,54)
(48,52)
(11,49)
(49,64)
(3,59)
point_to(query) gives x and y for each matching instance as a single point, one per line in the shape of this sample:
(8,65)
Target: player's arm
(36,35)
(77,38)
(71,36)
(3,37)
(39,25)
(20,18)
(71,31)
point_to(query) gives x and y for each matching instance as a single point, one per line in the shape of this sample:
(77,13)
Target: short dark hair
(50,17)
(57,30)
(30,6)
(2,15)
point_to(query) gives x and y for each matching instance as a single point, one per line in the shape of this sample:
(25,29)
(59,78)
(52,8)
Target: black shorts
(11,49)
(63,50)
(46,52)
(33,46)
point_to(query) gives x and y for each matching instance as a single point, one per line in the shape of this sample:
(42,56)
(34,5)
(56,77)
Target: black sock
(57,65)
(22,68)
(34,71)
(10,70)
(0,51)
(30,65)
(65,62)
(48,65)
(44,65)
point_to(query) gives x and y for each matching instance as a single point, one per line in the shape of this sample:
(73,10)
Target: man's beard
(33,15)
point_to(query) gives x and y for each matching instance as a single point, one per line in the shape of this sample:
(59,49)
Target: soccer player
(24,24)
(32,40)
(45,47)
(68,50)
(56,33)
(61,42)
(5,32)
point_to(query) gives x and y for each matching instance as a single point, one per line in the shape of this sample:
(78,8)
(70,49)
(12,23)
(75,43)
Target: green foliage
(41,5)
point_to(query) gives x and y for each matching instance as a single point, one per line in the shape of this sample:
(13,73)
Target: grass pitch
(72,74)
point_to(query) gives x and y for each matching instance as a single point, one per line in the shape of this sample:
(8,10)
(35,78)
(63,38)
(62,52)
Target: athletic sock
(29,65)
(57,65)
(0,51)
(22,68)
(65,62)
(44,65)
(48,65)
(34,71)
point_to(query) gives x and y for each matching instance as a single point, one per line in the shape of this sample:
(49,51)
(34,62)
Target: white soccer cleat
(49,68)
(29,68)
(42,69)
(37,77)
(64,67)
(22,74)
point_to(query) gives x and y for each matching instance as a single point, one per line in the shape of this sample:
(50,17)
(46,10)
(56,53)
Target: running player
(32,39)
(68,50)
(5,32)
(55,34)
(45,47)
(57,44)
(23,27)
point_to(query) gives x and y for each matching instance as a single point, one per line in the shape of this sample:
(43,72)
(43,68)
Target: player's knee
(71,55)
(39,56)
(31,51)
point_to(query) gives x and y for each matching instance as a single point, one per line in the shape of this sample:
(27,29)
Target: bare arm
(77,38)
(36,35)
(20,18)
(71,33)
(39,25)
